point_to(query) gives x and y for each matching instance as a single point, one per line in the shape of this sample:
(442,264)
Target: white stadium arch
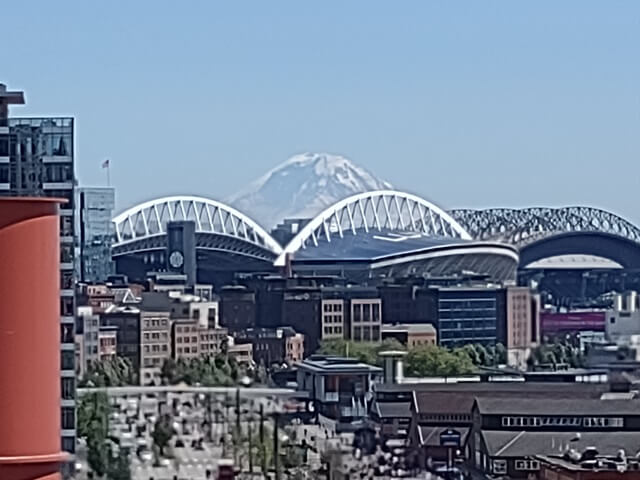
(376,210)
(149,219)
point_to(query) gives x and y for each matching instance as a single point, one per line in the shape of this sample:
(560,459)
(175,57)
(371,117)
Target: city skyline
(470,106)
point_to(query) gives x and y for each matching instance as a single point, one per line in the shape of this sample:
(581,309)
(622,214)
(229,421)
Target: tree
(162,432)
(119,467)
(111,372)
(431,360)
(93,426)
(367,352)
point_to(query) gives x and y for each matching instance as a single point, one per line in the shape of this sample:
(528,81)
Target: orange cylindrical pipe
(29,339)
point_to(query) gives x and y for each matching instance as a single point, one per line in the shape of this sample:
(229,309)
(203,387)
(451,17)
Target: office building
(96,205)
(37,160)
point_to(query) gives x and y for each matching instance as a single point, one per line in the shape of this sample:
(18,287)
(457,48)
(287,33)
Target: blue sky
(467,103)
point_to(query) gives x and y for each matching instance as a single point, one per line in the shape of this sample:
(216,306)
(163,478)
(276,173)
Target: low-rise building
(240,352)
(107,342)
(592,463)
(411,335)
(274,345)
(622,324)
(509,432)
(340,388)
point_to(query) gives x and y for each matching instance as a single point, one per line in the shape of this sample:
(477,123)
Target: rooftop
(416,328)
(334,364)
(557,406)
(521,443)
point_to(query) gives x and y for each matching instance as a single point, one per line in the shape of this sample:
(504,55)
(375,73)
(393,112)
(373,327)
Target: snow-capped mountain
(302,187)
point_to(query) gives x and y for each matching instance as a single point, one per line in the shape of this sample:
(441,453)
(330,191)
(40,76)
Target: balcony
(4,159)
(57,185)
(57,159)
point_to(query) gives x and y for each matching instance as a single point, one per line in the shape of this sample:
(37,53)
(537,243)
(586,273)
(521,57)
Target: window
(527,465)
(612,320)
(68,418)
(69,444)
(67,360)
(68,388)
(66,333)
(500,467)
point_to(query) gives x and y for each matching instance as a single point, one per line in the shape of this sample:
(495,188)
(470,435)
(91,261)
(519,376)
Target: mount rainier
(302,187)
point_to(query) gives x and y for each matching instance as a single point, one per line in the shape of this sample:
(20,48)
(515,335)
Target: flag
(105,164)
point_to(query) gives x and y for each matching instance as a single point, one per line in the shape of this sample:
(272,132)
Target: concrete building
(522,323)
(240,352)
(96,206)
(411,335)
(237,308)
(126,320)
(332,319)
(37,159)
(155,336)
(274,345)
(107,343)
(622,324)
(340,388)
(192,339)
(88,328)
(366,319)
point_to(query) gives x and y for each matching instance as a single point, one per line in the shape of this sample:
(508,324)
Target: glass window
(68,388)
(500,467)
(67,360)
(68,418)
(69,444)
(66,333)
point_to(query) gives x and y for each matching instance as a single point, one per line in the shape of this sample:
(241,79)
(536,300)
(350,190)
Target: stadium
(366,236)
(572,255)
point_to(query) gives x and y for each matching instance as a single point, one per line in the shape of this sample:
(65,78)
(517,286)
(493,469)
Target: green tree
(162,432)
(93,426)
(119,467)
(110,372)
(367,352)
(431,360)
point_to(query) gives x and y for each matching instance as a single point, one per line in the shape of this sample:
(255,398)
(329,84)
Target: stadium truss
(521,227)
(218,226)
(381,210)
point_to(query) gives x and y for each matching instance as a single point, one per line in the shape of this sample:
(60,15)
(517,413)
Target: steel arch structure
(376,210)
(218,226)
(521,227)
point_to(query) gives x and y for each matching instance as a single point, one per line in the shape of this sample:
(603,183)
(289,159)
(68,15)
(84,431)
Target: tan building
(332,319)
(155,336)
(366,319)
(411,335)
(294,348)
(242,352)
(190,339)
(521,325)
(107,342)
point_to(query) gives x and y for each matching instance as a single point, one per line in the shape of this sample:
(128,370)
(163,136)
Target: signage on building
(450,438)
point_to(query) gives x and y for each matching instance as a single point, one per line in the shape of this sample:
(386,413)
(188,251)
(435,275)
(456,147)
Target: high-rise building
(36,160)
(96,205)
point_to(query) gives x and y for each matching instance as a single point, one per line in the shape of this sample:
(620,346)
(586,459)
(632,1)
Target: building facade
(96,206)
(366,319)
(37,160)
(411,335)
(332,319)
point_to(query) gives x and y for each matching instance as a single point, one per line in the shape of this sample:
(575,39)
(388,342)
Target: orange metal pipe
(29,339)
